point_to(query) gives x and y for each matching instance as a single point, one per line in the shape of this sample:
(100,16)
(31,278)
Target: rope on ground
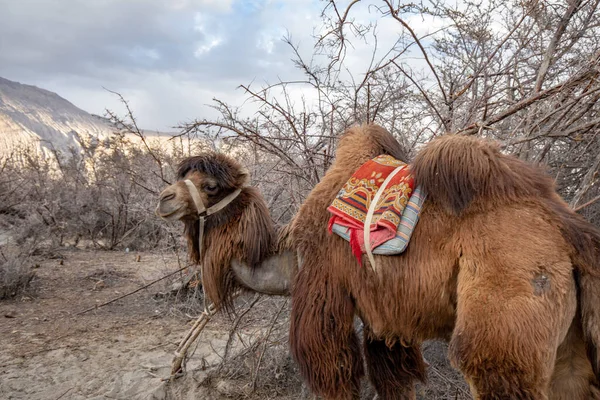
(191,336)
(130,293)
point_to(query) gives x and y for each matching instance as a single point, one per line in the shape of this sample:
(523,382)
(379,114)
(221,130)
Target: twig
(477,74)
(134,129)
(265,344)
(130,293)
(394,14)
(474,128)
(589,203)
(550,52)
(233,329)
(448,381)
(587,182)
(423,93)
(63,395)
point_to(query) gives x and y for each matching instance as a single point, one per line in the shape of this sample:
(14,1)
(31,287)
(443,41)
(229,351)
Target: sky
(168,58)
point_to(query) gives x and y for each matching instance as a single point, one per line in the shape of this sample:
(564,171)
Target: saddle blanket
(396,212)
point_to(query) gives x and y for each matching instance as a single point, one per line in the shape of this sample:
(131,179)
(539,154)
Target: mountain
(30,115)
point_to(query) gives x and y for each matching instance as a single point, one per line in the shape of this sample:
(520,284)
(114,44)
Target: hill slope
(30,115)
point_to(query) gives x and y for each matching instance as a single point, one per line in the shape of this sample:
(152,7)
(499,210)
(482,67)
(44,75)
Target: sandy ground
(124,350)
(121,351)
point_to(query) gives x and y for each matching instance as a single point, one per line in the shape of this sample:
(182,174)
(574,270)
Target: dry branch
(394,13)
(587,204)
(97,306)
(266,339)
(523,104)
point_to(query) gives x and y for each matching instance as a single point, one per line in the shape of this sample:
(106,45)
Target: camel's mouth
(170,212)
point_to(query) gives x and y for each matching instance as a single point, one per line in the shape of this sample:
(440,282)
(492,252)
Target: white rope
(200,208)
(369,217)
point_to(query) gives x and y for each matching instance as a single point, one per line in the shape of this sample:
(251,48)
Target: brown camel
(240,234)
(498,265)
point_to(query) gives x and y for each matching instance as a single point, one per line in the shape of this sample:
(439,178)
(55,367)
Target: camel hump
(360,143)
(456,170)
(387,142)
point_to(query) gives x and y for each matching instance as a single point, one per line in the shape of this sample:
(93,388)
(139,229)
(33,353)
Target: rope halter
(204,212)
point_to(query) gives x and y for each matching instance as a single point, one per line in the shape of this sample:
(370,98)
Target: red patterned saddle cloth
(392,222)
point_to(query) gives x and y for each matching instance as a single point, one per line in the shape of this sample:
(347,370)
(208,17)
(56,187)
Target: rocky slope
(33,116)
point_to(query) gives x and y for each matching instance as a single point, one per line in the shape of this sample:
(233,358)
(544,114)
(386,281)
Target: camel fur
(498,265)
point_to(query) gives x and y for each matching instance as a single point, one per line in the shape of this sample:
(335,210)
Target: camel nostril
(167,197)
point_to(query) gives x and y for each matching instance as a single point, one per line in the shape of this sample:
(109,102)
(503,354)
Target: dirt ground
(124,350)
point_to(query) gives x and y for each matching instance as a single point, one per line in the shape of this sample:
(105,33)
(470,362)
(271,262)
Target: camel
(498,265)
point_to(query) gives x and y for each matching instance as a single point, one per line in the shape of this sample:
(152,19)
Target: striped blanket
(396,212)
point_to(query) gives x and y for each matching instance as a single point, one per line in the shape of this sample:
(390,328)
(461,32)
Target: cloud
(216,5)
(168,57)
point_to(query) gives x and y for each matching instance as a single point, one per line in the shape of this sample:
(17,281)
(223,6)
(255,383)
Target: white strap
(369,218)
(224,202)
(202,214)
(195,196)
(215,207)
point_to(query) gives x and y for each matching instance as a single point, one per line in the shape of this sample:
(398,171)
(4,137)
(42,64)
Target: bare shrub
(255,362)
(525,74)
(16,272)
(100,194)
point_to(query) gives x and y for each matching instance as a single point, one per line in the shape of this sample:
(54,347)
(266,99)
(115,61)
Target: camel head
(214,175)
(237,244)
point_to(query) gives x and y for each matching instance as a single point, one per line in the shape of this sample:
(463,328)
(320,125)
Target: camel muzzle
(168,208)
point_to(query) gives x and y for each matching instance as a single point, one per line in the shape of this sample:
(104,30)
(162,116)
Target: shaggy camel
(498,265)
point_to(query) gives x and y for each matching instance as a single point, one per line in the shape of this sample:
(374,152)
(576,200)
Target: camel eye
(211,188)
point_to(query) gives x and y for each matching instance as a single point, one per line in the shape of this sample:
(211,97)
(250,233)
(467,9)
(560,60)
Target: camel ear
(244,177)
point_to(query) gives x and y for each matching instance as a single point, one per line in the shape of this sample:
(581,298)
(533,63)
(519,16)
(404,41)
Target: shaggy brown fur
(243,230)
(498,265)
(393,368)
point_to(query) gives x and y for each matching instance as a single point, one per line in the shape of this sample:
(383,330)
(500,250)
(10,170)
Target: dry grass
(16,272)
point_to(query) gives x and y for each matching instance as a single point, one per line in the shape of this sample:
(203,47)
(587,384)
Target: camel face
(176,203)
(214,175)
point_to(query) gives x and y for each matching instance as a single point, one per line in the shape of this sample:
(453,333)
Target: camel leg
(573,377)
(509,325)
(322,336)
(393,370)
(497,369)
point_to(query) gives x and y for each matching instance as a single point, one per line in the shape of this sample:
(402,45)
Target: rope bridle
(204,212)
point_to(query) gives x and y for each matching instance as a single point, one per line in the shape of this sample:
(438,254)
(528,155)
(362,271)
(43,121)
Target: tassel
(355,245)
(331,222)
